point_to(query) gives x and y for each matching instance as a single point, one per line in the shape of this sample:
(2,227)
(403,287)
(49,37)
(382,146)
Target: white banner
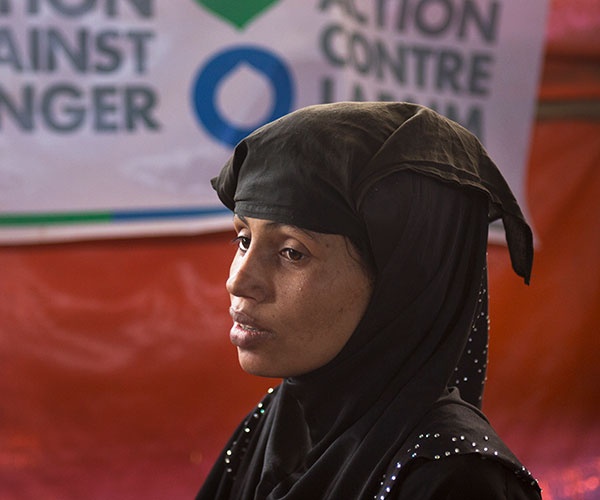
(114,114)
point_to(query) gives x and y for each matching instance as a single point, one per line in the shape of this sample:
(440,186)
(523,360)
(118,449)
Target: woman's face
(296,297)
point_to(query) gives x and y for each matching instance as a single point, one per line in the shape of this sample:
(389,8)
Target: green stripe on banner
(116,216)
(55,218)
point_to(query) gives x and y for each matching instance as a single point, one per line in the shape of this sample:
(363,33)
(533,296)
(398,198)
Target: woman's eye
(243,243)
(291,254)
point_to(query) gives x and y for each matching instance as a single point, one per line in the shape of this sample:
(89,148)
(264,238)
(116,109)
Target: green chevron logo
(237,13)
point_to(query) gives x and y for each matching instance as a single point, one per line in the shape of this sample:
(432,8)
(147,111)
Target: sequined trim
(238,448)
(450,445)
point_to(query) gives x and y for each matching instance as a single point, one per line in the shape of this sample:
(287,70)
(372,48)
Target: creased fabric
(415,192)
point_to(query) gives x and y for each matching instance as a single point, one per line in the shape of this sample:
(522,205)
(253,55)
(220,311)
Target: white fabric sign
(114,114)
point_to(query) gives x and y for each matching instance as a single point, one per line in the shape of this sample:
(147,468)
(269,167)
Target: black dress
(396,414)
(464,477)
(445,466)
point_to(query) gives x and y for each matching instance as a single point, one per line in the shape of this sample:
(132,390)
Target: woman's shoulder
(462,477)
(454,453)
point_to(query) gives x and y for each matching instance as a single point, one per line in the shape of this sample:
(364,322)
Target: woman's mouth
(248,327)
(246,333)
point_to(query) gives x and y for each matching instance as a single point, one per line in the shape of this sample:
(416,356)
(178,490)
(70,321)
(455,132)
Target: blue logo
(217,68)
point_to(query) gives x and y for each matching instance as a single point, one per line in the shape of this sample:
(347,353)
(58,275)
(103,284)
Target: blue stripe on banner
(129,215)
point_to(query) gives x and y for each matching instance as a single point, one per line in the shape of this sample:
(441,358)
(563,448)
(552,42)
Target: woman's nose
(247,278)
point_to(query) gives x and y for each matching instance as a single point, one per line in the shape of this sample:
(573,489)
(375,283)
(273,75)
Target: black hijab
(414,192)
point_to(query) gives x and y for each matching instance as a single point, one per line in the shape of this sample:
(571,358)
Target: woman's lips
(246,332)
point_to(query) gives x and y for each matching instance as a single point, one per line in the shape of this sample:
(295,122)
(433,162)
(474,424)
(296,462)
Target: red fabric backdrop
(118,380)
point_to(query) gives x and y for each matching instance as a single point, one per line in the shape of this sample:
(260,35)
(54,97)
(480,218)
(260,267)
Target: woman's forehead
(272,225)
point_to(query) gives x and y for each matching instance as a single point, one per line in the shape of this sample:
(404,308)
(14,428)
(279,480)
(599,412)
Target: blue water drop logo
(215,71)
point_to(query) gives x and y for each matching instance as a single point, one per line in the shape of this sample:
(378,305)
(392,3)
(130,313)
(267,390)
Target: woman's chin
(255,364)
(264,364)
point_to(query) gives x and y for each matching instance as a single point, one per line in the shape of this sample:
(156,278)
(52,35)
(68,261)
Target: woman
(360,279)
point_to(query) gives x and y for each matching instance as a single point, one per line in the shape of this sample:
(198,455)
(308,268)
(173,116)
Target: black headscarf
(414,192)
